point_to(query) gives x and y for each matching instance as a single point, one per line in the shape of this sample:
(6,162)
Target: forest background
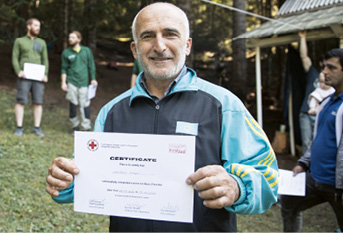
(106,29)
(108,23)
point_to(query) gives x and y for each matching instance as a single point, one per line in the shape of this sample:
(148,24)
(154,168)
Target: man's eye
(171,34)
(146,36)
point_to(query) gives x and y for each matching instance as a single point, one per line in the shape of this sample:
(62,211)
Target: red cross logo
(92,145)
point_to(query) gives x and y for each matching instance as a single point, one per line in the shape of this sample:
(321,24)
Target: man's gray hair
(181,11)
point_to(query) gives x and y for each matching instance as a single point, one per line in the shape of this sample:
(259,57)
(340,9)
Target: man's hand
(61,175)
(45,79)
(302,34)
(297,169)
(64,86)
(215,185)
(21,74)
(94,83)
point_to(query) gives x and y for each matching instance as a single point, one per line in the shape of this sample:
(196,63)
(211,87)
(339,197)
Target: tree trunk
(238,81)
(91,15)
(186,6)
(19,22)
(65,24)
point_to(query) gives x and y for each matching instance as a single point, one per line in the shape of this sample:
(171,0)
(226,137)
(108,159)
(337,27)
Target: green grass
(24,204)
(26,207)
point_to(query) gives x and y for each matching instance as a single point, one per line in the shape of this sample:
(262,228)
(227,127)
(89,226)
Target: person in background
(33,50)
(306,120)
(77,69)
(137,68)
(318,95)
(323,161)
(236,168)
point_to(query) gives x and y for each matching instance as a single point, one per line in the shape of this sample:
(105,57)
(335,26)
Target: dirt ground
(115,81)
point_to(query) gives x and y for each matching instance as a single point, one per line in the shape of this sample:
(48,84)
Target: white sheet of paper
(34,71)
(292,185)
(134,175)
(91,91)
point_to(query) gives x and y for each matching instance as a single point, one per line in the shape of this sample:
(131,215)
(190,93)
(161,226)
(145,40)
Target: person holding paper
(76,69)
(323,161)
(236,168)
(28,50)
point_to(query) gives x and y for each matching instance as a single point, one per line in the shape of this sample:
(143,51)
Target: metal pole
(258,86)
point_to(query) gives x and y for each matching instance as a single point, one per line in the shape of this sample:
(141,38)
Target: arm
(92,71)
(15,59)
(306,61)
(251,180)
(45,61)
(64,85)
(91,66)
(64,67)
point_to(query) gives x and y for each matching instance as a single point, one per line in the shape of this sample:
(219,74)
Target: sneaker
(75,129)
(39,132)
(19,132)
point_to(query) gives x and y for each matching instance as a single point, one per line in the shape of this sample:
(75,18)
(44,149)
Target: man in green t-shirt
(77,68)
(30,50)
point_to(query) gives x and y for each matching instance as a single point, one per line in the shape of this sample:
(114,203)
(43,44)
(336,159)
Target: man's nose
(160,45)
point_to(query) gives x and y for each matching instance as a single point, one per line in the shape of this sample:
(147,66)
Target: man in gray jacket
(323,161)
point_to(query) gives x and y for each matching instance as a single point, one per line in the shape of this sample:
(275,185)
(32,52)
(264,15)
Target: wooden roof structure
(320,18)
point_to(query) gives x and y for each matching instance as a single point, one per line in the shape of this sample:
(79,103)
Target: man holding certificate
(235,166)
(30,63)
(77,68)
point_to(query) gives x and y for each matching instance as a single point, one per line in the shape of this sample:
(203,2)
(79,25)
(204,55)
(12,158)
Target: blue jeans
(316,193)
(306,123)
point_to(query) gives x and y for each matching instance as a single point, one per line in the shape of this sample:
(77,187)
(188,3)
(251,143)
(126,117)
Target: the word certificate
(134,175)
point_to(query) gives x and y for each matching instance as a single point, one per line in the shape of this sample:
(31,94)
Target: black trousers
(316,193)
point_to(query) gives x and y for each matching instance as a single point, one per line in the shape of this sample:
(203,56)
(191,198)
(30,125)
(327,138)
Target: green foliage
(26,207)
(210,24)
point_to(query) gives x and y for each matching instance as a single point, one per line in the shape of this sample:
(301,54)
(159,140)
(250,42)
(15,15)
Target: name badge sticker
(187,128)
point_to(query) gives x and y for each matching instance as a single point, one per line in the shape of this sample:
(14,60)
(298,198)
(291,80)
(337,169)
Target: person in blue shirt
(235,166)
(323,161)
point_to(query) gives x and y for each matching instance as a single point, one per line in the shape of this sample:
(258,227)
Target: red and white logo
(177,148)
(92,145)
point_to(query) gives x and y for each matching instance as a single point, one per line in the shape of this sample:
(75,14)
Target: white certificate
(292,185)
(34,71)
(134,175)
(91,91)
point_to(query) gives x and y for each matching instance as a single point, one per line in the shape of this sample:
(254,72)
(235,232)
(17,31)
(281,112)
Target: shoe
(19,132)
(75,129)
(39,132)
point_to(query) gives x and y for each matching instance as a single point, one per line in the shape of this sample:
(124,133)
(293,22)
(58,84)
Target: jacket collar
(186,82)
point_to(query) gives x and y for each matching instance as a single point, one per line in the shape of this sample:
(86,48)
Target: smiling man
(236,168)
(323,161)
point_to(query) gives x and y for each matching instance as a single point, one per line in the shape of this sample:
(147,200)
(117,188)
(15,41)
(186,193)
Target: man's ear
(133,49)
(188,46)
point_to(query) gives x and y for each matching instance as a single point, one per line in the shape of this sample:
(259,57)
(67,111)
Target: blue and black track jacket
(226,134)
